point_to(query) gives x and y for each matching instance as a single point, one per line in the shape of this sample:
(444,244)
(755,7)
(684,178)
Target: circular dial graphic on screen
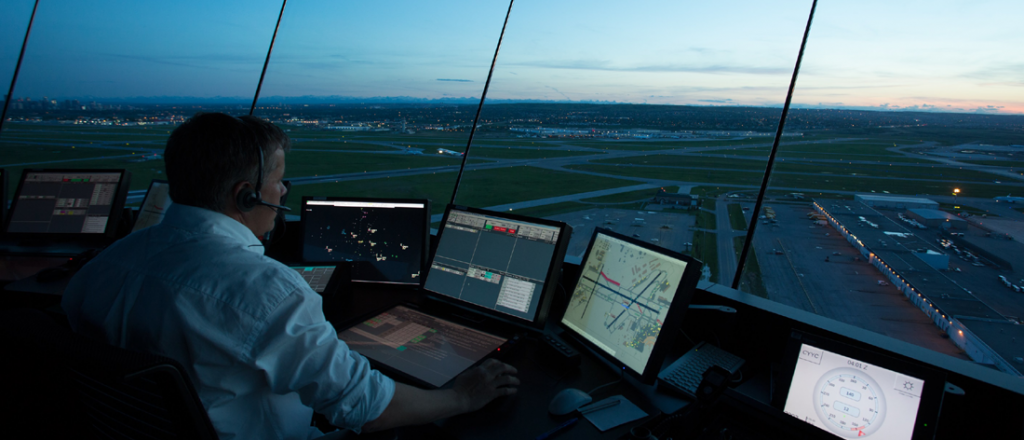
(849,402)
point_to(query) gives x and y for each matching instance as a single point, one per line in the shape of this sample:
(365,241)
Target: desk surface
(525,414)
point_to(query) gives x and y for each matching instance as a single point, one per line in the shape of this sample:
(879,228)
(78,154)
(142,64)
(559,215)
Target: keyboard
(686,373)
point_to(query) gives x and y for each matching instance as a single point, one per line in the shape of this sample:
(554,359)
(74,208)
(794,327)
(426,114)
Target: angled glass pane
(887,208)
(14,17)
(378,98)
(103,84)
(627,117)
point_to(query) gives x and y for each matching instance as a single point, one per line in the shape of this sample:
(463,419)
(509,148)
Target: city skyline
(945,56)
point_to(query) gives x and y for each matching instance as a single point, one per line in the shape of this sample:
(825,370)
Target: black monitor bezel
(550,281)
(3,199)
(424,257)
(677,310)
(116,209)
(931,396)
(146,198)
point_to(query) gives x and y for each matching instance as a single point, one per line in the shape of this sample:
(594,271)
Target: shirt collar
(205,221)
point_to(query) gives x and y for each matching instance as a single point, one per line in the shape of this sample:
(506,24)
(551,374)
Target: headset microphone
(249,197)
(261,202)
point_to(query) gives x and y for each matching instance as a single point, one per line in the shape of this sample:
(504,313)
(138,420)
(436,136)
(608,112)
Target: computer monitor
(387,240)
(157,200)
(68,203)
(627,293)
(853,393)
(498,263)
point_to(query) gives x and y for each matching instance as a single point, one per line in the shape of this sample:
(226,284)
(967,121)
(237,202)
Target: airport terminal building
(901,255)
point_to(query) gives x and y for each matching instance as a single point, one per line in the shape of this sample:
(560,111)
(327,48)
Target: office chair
(72,383)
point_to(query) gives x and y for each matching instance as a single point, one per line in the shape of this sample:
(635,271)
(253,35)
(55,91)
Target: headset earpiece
(247,198)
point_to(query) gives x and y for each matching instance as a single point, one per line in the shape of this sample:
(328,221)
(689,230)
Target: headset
(248,198)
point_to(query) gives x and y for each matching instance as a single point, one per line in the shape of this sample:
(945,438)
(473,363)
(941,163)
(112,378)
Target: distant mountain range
(311,99)
(399,100)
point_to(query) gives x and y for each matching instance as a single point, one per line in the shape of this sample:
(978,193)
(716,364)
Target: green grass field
(709,203)
(545,211)
(705,249)
(810,183)
(478,188)
(751,280)
(631,196)
(13,128)
(686,161)
(736,218)
(706,220)
(934,133)
(931,171)
(308,163)
(784,154)
(340,145)
(519,153)
(1012,164)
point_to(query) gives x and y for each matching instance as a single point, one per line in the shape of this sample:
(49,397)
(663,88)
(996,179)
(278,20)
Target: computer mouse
(53,274)
(567,401)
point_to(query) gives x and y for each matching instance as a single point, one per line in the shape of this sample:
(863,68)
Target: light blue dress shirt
(249,330)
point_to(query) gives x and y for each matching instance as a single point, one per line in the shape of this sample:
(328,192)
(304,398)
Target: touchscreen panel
(851,398)
(427,348)
(623,298)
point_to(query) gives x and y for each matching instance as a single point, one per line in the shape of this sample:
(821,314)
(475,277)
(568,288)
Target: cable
(622,374)
(687,337)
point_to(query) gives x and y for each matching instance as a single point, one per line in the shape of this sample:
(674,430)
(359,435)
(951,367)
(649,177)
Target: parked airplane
(1010,199)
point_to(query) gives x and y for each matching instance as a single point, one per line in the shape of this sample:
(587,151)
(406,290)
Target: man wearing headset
(249,330)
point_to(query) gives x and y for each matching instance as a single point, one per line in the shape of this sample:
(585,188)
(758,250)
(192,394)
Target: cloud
(456,80)
(719,101)
(606,66)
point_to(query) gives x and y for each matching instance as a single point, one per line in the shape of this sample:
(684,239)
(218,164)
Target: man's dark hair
(211,152)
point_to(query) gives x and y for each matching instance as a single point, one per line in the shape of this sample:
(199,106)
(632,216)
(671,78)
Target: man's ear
(236,192)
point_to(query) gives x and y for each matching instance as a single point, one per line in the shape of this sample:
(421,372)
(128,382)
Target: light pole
(956,192)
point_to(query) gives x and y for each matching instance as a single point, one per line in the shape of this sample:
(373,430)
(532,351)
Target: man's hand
(478,386)
(469,392)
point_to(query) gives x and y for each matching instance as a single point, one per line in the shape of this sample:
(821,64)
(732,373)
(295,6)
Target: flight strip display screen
(623,298)
(851,398)
(386,241)
(64,202)
(425,347)
(496,263)
(317,276)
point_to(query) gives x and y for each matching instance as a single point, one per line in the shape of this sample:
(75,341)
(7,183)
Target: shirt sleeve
(299,351)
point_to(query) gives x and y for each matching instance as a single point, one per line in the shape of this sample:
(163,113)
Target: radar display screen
(385,239)
(496,262)
(67,202)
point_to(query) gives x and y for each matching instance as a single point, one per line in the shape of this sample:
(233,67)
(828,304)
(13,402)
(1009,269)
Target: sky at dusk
(928,55)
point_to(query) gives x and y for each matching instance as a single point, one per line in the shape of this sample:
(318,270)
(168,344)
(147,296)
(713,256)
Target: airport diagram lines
(623,297)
